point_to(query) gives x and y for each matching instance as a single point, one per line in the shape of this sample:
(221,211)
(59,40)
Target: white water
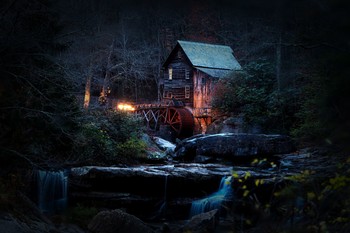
(52,191)
(214,201)
(163,204)
(163,207)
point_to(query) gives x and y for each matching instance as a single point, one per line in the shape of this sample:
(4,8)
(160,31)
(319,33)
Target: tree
(36,103)
(254,94)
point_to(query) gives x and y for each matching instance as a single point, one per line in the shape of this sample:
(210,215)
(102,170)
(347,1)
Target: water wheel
(180,120)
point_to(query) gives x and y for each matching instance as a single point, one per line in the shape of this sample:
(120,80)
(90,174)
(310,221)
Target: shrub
(109,137)
(133,147)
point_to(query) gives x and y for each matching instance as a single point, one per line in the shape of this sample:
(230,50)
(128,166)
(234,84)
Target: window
(187,74)
(170,73)
(187,92)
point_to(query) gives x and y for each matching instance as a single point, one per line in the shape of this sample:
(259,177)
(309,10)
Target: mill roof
(215,60)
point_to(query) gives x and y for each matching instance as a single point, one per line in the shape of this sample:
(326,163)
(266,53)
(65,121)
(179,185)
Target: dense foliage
(36,103)
(253,93)
(311,201)
(313,108)
(108,137)
(42,123)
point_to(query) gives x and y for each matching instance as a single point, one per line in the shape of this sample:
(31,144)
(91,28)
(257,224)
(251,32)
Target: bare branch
(48,114)
(25,157)
(30,84)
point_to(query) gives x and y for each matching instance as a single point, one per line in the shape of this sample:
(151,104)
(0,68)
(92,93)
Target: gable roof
(215,60)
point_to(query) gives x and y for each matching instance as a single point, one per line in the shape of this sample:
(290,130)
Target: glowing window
(170,73)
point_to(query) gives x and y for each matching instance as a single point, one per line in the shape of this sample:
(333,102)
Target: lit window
(170,73)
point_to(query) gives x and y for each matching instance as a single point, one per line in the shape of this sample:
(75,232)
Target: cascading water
(162,209)
(215,200)
(52,191)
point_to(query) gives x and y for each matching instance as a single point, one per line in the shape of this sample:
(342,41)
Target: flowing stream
(163,207)
(52,191)
(215,200)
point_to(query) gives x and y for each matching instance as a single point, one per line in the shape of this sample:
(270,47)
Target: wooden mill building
(190,73)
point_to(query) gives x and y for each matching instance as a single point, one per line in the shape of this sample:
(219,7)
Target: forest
(295,57)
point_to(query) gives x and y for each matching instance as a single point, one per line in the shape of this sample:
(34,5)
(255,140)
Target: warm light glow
(125,107)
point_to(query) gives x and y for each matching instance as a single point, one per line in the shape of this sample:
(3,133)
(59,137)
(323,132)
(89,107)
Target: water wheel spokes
(174,120)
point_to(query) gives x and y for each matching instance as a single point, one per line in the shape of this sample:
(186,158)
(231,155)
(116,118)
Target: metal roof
(210,58)
(216,73)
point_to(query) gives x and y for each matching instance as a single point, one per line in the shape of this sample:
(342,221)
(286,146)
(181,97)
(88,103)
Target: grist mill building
(190,73)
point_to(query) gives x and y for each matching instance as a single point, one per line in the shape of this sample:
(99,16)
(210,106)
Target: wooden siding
(182,73)
(185,76)
(203,88)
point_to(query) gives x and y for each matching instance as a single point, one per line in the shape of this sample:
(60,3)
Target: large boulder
(230,146)
(117,221)
(154,154)
(204,222)
(164,145)
(158,149)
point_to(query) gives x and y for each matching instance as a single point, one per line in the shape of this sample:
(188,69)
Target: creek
(150,192)
(52,191)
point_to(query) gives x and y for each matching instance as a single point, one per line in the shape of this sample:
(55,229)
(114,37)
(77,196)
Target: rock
(164,145)
(11,225)
(117,221)
(141,189)
(200,223)
(230,146)
(154,177)
(153,152)
(204,159)
(70,228)
(27,223)
(27,218)
(158,149)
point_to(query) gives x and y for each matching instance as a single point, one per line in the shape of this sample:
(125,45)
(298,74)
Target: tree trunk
(87,92)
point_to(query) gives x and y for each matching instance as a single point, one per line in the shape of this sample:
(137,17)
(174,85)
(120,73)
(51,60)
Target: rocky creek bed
(158,197)
(142,190)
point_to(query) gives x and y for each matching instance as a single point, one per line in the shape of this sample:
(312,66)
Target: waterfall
(52,191)
(163,206)
(215,200)
(163,203)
